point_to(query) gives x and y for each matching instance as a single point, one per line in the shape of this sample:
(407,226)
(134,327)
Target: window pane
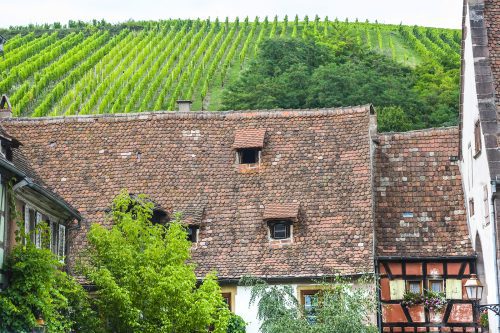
(249,156)
(54,233)
(436,286)
(32,225)
(280,231)
(310,307)
(415,287)
(62,239)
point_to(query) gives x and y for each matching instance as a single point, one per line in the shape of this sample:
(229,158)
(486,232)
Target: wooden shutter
(453,289)
(397,288)
(477,137)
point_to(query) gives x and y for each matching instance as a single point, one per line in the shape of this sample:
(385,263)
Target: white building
(480,156)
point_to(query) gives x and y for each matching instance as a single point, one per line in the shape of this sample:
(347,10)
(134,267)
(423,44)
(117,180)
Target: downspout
(494,196)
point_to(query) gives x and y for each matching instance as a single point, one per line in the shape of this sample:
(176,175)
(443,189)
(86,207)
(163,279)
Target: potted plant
(435,302)
(483,320)
(414,303)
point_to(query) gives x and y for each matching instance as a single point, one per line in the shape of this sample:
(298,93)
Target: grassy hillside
(101,68)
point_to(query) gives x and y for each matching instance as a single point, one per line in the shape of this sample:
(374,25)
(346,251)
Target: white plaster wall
(476,174)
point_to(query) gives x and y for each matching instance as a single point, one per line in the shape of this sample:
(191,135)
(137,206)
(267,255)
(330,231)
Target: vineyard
(103,70)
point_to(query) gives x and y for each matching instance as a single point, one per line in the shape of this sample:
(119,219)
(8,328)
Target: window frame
(477,138)
(57,242)
(420,283)
(193,230)
(288,229)
(239,155)
(433,280)
(471,207)
(309,292)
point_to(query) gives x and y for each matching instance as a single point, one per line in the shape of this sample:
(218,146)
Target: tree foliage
(297,73)
(341,307)
(38,288)
(143,280)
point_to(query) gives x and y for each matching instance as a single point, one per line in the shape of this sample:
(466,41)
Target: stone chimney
(5,107)
(184,105)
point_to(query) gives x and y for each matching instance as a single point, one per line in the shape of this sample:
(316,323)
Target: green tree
(38,288)
(392,119)
(339,307)
(143,280)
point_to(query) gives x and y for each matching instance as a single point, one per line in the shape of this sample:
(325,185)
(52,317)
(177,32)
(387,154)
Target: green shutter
(397,288)
(453,289)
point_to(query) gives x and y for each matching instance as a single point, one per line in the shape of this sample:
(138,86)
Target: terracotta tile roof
(419,205)
(249,138)
(281,211)
(320,158)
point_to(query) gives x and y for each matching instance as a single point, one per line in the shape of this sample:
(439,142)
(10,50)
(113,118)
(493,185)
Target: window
(436,286)
(477,138)
(471,207)
(486,206)
(227,299)
(57,238)
(280,229)
(248,156)
(414,287)
(310,300)
(192,232)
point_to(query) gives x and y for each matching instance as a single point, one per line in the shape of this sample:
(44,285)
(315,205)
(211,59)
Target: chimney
(5,107)
(184,105)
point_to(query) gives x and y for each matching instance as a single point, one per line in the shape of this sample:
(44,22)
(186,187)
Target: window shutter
(397,288)
(26,222)
(453,289)
(486,205)
(61,242)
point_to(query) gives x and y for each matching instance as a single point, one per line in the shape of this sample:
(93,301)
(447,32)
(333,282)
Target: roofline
(197,114)
(424,258)
(462,76)
(47,193)
(292,279)
(40,189)
(419,131)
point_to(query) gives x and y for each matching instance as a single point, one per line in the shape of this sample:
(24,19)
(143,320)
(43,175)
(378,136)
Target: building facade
(480,155)
(25,202)
(289,196)
(422,242)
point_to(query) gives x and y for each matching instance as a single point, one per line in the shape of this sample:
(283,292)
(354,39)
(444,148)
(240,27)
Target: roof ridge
(196,114)
(421,131)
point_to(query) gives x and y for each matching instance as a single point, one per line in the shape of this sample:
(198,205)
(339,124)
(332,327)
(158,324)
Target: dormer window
(248,144)
(280,219)
(248,156)
(192,233)
(280,229)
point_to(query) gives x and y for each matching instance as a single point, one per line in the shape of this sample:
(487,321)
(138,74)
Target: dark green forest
(294,73)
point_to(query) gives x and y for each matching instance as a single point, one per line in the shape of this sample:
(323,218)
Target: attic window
(248,156)
(280,229)
(248,143)
(192,233)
